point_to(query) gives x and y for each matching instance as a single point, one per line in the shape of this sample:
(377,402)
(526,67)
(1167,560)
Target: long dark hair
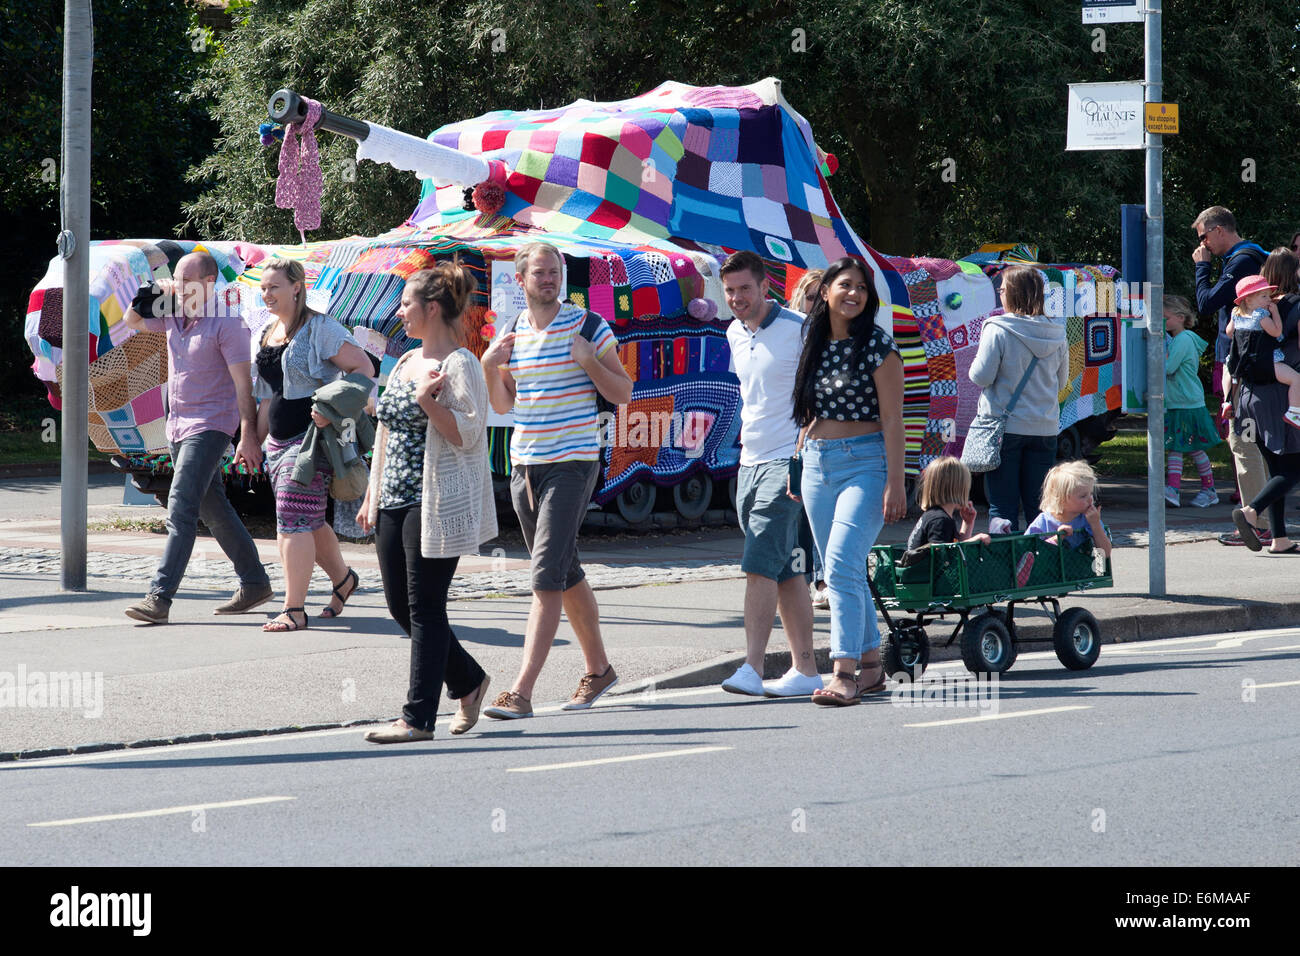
(817,332)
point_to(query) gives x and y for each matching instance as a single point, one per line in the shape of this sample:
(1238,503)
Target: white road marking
(160,813)
(627,759)
(1006,716)
(1281,683)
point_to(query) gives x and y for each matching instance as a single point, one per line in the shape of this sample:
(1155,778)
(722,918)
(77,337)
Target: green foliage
(143,139)
(900,90)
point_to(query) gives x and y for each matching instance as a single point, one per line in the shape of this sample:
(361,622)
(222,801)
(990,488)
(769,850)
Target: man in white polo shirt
(766,342)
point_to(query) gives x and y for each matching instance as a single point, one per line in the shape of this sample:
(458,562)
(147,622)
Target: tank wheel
(1077,639)
(986,646)
(691,498)
(907,651)
(636,502)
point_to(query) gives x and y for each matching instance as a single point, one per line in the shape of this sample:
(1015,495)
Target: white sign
(1105,116)
(1113,11)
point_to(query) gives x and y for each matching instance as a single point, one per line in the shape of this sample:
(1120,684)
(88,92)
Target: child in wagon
(945,491)
(1070,509)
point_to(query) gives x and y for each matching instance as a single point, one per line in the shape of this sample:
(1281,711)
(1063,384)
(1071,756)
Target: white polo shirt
(766,362)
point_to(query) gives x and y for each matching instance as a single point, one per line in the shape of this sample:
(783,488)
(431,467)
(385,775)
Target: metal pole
(1155,315)
(74,247)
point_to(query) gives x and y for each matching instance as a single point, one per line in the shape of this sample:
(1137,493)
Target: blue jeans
(1018,481)
(844,495)
(198,492)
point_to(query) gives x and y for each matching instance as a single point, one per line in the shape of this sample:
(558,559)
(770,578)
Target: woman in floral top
(848,400)
(430,496)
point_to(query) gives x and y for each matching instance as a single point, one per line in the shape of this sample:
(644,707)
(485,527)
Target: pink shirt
(200,392)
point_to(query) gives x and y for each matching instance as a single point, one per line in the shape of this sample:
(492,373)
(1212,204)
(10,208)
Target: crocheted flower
(702,309)
(489,329)
(489,197)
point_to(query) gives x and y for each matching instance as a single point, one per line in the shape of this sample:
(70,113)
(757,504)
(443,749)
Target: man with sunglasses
(1216,234)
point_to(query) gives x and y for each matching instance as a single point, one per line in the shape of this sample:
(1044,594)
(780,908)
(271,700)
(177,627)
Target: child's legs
(1173,469)
(1291,379)
(1203,470)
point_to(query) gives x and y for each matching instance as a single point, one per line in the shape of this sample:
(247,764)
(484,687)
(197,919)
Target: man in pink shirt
(209,397)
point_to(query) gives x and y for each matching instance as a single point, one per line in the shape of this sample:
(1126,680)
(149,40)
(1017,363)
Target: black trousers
(415,588)
(1284,474)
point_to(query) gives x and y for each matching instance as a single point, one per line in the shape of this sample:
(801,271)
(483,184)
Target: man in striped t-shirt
(547,367)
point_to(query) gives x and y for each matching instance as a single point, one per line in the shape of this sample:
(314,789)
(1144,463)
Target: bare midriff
(829,428)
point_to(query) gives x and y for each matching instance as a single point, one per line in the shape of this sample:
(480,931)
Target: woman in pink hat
(1256,311)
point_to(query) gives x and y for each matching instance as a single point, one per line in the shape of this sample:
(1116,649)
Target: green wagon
(967,580)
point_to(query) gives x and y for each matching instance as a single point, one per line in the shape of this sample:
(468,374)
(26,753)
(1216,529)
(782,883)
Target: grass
(24,432)
(115,523)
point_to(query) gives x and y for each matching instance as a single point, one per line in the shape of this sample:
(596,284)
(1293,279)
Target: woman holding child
(848,401)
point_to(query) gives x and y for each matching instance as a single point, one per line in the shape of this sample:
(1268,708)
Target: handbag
(983,448)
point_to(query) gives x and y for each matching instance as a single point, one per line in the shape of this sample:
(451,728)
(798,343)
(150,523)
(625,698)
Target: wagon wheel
(986,646)
(636,502)
(1077,639)
(908,651)
(691,498)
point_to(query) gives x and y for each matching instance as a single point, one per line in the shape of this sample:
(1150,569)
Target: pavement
(670,607)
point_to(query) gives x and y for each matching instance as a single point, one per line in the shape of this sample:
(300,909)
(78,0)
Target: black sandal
(329,612)
(275,626)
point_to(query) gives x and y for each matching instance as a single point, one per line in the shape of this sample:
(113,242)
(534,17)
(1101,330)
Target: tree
(144,137)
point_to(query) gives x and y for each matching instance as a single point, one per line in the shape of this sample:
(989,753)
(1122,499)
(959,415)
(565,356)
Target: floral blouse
(407,424)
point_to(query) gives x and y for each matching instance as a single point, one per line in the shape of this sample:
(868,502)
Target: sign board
(1162,118)
(1113,11)
(1104,116)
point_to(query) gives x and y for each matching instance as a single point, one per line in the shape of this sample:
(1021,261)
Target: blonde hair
(809,282)
(528,250)
(945,481)
(1179,305)
(449,284)
(1065,479)
(293,271)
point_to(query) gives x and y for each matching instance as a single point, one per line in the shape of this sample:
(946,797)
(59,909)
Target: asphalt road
(29,498)
(1164,753)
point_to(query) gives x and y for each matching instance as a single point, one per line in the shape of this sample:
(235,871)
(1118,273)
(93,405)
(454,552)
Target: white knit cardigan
(458,511)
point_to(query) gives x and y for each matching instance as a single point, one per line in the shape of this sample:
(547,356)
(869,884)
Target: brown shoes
(467,715)
(154,609)
(245,599)
(509,706)
(590,688)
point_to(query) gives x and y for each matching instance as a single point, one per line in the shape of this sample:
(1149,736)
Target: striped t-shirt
(555,400)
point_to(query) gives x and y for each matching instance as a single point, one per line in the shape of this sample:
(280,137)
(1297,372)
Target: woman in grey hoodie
(1008,343)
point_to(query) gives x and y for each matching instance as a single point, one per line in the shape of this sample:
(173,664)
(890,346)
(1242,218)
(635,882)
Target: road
(1177,752)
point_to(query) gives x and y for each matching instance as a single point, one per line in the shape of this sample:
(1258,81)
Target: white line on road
(1281,683)
(1007,716)
(604,760)
(160,813)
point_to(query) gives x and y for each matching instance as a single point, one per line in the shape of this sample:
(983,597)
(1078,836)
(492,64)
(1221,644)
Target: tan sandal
(832,698)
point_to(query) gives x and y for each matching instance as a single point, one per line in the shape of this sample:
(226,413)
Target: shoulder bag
(983,448)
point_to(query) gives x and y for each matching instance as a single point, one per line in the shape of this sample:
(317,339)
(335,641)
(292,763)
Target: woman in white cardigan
(430,496)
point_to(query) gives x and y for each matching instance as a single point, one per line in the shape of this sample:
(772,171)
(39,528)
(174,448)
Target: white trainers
(745,681)
(792,684)
(821,598)
(1292,417)
(1171,497)
(1205,497)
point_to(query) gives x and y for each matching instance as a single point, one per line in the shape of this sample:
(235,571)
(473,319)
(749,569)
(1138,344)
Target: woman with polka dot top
(848,401)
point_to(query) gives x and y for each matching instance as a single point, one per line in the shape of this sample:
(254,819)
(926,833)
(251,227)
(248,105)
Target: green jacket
(1182,359)
(341,401)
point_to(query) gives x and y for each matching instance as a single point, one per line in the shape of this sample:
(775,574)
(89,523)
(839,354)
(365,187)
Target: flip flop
(1247,530)
(1291,550)
(830,698)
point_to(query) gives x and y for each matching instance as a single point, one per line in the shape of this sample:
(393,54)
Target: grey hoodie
(1007,342)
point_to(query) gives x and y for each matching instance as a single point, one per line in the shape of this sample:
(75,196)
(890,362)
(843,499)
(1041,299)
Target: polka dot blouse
(845,390)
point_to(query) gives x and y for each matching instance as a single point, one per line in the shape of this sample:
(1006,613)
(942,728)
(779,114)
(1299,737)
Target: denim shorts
(770,518)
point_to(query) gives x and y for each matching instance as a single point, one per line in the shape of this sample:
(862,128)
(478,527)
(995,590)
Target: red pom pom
(488,332)
(489,197)
(832,163)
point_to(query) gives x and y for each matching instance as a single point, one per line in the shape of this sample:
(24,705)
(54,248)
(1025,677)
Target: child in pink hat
(1256,311)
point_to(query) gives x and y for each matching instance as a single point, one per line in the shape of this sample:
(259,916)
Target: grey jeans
(198,492)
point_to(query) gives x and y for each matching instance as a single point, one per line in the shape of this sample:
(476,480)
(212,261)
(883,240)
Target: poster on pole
(1113,11)
(1105,116)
